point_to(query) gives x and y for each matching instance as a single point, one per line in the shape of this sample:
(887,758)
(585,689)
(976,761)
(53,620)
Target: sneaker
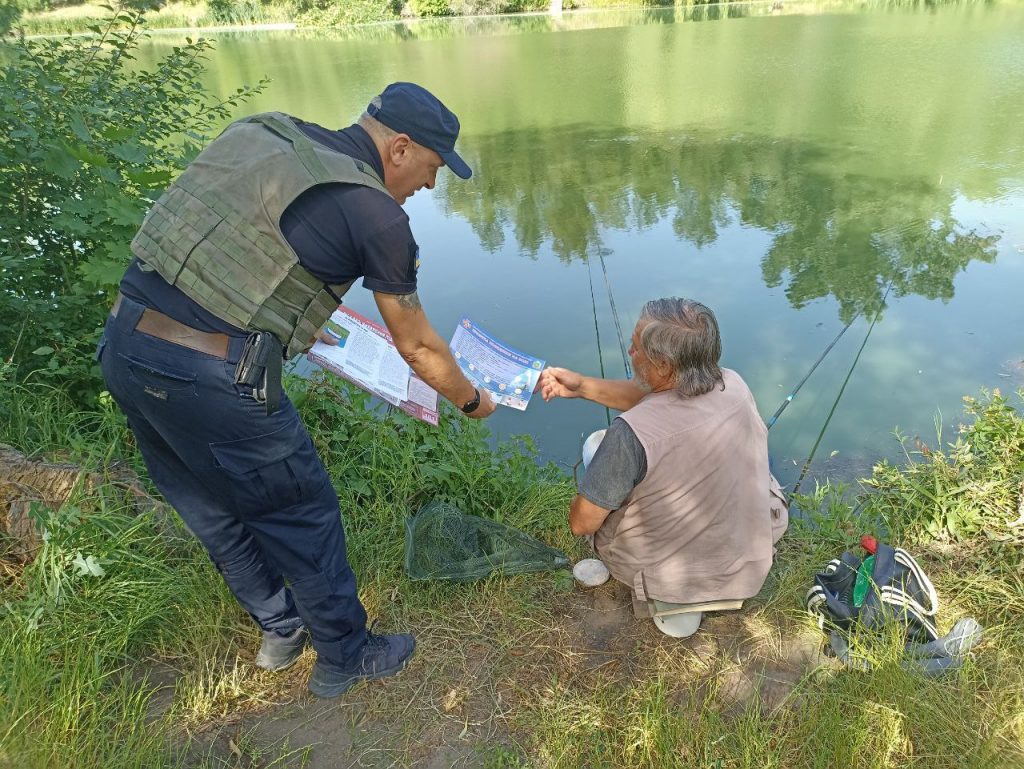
(382,656)
(278,652)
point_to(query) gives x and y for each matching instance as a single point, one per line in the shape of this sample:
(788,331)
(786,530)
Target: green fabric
(215,232)
(863,582)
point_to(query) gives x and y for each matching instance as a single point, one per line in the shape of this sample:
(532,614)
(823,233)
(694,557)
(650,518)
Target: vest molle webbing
(215,232)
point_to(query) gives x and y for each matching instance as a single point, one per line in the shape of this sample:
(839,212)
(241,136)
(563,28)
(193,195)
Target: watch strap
(471,406)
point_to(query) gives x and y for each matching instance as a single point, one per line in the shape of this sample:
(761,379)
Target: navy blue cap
(413,110)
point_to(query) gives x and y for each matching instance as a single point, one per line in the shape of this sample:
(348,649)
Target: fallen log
(25,481)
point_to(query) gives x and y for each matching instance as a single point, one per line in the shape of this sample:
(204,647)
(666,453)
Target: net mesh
(441,542)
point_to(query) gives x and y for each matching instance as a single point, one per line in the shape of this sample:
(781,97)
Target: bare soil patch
(458,703)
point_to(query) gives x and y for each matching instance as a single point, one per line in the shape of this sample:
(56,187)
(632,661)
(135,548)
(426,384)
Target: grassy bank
(120,647)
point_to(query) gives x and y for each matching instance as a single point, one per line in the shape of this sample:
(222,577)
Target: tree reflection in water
(837,229)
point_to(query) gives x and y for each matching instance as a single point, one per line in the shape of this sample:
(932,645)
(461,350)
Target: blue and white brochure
(506,373)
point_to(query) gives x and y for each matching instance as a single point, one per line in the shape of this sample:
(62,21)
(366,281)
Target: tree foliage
(333,13)
(87,142)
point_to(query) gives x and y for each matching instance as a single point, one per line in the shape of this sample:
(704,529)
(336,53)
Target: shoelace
(373,639)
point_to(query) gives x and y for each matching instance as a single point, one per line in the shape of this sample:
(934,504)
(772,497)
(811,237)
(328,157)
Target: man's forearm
(433,363)
(618,394)
(585,517)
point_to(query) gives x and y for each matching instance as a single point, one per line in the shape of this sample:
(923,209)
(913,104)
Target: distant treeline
(61,16)
(70,16)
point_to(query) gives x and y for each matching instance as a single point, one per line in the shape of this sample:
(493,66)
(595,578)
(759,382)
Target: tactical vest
(215,232)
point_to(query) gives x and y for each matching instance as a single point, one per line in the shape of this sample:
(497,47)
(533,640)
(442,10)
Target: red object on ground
(869,543)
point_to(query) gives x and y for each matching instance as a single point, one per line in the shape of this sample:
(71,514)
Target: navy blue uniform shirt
(339,232)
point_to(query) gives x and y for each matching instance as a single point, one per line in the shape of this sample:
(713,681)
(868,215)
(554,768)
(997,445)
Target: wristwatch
(470,406)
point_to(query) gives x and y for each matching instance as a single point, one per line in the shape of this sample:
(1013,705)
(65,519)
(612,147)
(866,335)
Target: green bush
(9,14)
(11,10)
(87,141)
(519,6)
(487,7)
(236,11)
(956,491)
(323,13)
(430,7)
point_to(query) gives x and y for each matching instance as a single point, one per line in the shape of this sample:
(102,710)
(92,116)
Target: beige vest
(215,232)
(702,523)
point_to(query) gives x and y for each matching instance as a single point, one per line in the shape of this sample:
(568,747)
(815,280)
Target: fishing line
(835,404)
(597,332)
(615,316)
(792,395)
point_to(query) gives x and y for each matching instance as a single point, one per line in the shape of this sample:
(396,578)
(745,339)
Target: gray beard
(641,382)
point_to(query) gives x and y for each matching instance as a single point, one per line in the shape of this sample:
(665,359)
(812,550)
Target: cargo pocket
(159,381)
(272,471)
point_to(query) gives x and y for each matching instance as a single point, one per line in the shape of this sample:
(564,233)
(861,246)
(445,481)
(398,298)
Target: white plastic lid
(590,572)
(679,625)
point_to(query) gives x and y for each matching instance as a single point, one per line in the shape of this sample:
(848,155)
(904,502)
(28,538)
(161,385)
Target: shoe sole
(330,691)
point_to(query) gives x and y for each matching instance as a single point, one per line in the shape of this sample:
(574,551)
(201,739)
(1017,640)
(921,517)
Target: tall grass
(109,591)
(115,599)
(385,469)
(112,592)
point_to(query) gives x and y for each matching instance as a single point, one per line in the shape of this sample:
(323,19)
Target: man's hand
(559,383)
(326,337)
(486,407)
(618,394)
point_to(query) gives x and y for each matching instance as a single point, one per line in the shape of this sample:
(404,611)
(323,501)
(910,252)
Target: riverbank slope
(116,620)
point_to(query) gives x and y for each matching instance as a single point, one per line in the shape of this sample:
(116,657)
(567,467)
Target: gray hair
(376,128)
(684,334)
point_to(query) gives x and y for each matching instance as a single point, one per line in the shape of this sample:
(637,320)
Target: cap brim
(457,164)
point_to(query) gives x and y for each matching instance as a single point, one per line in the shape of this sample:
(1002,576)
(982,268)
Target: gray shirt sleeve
(619,464)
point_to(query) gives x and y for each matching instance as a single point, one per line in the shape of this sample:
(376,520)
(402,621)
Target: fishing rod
(597,332)
(615,316)
(835,403)
(792,395)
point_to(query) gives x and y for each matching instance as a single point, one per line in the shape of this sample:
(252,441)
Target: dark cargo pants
(250,486)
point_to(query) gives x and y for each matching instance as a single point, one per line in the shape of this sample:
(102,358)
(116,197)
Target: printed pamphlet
(366,356)
(506,373)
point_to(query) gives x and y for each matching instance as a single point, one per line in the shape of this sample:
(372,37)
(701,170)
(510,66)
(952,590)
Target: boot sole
(330,691)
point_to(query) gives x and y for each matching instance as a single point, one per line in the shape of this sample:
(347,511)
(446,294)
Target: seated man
(678,496)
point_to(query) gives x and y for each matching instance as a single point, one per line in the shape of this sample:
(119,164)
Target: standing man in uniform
(237,266)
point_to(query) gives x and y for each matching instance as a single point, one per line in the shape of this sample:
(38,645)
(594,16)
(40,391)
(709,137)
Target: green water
(784,169)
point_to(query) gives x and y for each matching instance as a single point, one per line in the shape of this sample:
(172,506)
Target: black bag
(886,590)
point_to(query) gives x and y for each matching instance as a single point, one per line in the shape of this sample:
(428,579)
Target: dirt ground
(455,705)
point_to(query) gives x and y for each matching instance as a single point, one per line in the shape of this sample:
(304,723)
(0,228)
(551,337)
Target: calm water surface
(786,170)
